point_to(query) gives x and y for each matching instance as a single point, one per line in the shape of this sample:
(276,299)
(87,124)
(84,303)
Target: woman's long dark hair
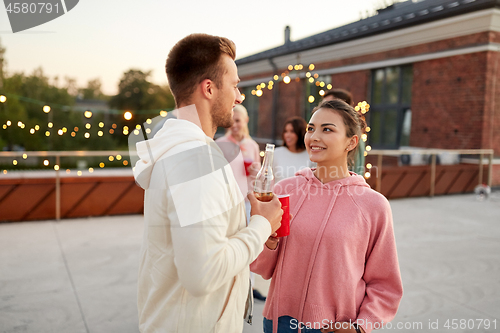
(299,128)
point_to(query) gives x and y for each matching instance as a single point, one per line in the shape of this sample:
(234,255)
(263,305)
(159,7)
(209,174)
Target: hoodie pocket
(232,314)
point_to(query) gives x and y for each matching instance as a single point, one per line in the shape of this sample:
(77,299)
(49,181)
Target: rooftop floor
(80,275)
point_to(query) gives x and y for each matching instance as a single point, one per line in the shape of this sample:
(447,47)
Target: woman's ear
(353,142)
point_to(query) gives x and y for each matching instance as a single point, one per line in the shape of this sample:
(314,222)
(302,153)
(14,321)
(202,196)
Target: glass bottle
(264,181)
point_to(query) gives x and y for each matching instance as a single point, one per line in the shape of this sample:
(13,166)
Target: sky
(105,38)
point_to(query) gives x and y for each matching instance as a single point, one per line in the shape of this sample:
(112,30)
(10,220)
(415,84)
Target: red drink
(284,229)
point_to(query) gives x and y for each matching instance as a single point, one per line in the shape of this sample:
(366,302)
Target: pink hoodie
(339,262)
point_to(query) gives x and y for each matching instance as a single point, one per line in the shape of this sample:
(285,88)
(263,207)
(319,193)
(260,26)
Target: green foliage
(27,95)
(137,93)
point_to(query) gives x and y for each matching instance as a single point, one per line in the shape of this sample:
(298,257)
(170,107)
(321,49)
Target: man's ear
(207,87)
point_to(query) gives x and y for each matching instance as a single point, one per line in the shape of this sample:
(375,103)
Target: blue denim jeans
(287,324)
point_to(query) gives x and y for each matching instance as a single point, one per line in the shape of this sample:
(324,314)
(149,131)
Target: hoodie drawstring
(315,251)
(282,259)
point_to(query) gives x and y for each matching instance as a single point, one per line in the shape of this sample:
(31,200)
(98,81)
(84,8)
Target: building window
(251,102)
(390,111)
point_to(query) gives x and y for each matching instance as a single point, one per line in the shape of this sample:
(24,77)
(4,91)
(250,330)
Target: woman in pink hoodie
(338,270)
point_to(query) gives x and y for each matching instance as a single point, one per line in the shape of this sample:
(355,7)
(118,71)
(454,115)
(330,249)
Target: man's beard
(220,118)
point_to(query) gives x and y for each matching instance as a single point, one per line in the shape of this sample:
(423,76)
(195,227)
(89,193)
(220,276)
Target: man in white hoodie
(194,270)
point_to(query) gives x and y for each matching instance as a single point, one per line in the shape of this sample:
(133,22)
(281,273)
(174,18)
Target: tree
(92,91)
(140,96)
(2,64)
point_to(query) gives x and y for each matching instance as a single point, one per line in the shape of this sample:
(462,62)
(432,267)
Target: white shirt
(286,163)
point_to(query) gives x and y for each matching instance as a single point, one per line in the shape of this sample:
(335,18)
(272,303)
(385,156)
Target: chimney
(287,35)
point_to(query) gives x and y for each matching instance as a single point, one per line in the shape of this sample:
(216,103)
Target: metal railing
(58,155)
(433,153)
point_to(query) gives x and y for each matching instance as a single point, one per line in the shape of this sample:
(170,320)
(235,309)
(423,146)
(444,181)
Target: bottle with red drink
(264,181)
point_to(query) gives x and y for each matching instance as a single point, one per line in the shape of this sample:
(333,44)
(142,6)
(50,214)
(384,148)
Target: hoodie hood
(173,133)
(353,180)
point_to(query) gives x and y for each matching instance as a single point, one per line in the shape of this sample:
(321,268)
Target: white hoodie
(193,275)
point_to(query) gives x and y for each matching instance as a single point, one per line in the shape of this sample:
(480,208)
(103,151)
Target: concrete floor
(80,275)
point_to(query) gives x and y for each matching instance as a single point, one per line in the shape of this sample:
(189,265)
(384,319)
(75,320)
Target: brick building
(428,69)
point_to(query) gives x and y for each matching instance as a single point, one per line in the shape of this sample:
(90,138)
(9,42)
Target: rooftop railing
(431,153)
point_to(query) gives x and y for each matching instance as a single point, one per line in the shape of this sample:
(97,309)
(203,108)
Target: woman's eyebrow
(328,124)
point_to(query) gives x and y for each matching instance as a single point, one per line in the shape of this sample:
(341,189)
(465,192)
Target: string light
(163,113)
(46,162)
(286,79)
(3,99)
(25,156)
(56,167)
(311,99)
(127,115)
(367,175)
(46,109)
(50,125)
(87,114)
(14,162)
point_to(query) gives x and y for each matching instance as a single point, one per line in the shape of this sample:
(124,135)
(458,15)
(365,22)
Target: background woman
(339,263)
(293,156)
